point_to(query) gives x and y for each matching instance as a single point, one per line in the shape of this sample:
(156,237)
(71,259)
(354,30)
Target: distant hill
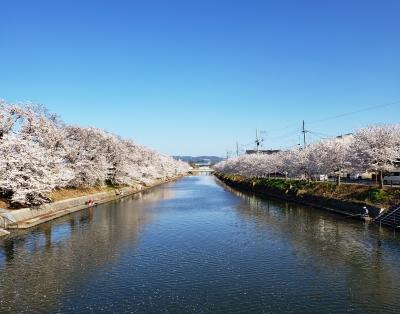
(193,159)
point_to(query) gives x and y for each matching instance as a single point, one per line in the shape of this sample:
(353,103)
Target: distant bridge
(202,170)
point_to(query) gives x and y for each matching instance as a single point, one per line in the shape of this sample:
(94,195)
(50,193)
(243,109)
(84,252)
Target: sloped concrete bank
(29,217)
(343,207)
(4,232)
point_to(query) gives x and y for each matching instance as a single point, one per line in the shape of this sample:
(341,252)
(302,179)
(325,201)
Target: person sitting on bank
(365,212)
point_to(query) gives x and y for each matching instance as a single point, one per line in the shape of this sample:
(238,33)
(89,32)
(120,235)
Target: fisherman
(365,212)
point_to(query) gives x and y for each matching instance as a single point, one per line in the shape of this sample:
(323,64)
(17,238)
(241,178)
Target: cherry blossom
(39,153)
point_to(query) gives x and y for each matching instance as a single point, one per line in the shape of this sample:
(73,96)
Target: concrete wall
(13,217)
(29,217)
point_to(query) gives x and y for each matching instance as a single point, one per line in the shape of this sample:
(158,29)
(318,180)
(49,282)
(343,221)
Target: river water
(196,246)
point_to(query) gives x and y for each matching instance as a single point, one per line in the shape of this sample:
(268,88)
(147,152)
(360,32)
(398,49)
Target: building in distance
(262,151)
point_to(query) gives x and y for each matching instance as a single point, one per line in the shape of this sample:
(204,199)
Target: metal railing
(393,211)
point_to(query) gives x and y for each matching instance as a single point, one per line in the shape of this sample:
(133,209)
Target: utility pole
(237,148)
(304,135)
(257,141)
(304,131)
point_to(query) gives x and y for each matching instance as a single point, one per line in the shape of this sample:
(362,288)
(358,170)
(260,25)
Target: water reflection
(39,264)
(196,246)
(335,245)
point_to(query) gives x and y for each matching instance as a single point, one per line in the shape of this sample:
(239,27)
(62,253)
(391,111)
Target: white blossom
(39,153)
(375,148)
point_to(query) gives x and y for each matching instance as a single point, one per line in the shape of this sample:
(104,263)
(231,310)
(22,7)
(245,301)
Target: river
(197,246)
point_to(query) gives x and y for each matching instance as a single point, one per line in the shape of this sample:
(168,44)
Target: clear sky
(194,77)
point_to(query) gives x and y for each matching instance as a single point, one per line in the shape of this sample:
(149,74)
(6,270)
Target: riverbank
(343,199)
(32,216)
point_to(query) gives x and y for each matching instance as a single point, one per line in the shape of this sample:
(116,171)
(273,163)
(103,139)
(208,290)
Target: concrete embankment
(294,194)
(4,232)
(29,217)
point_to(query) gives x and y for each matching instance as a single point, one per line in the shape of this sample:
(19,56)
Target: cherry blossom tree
(376,148)
(27,172)
(329,156)
(84,156)
(40,153)
(7,118)
(294,162)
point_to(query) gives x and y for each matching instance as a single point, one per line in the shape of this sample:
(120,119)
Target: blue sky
(194,77)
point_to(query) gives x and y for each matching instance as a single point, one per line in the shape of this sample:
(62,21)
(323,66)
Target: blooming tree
(330,156)
(40,153)
(376,148)
(27,172)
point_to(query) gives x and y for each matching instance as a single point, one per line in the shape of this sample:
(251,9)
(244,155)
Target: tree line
(374,148)
(40,153)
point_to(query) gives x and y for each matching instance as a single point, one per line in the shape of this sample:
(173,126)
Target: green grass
(361,193)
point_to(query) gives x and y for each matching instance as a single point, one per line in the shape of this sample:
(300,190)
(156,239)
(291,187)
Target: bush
(376,195)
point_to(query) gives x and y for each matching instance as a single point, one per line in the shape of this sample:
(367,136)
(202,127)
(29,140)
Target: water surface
(196,246)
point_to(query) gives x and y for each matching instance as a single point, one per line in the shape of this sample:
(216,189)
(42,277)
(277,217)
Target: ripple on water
(194,246)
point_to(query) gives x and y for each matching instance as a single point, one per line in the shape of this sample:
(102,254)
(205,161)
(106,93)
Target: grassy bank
(63,194)
(69,201)
(60,194)
(346,197)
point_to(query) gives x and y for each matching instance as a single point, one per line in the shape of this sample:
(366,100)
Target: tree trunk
(380,174)
(338,177)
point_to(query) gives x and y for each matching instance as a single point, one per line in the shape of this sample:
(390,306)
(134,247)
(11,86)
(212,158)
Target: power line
(355,112)
(320,135)
(285,135)
(342,115)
